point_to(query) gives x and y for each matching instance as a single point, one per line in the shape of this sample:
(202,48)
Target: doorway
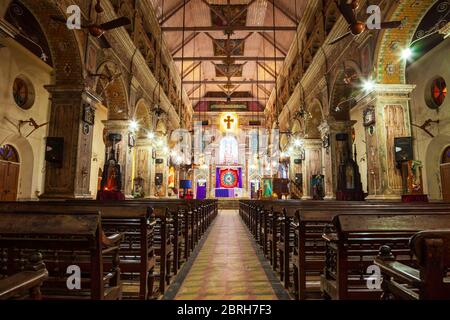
(9,173)
(445,174)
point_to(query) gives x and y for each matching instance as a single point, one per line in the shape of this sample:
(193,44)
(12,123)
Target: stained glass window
(8,153)
(446,156)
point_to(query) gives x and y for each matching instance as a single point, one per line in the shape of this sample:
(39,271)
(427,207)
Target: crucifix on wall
(228,121)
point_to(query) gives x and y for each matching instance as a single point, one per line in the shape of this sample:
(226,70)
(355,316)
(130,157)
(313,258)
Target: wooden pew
(304,222)
(171,218)
(136,222)
(64,240)
(431,279)
(159,241)
(353,242)
(309,249)
(25,284)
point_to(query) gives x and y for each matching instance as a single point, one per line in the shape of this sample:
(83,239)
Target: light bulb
(368,85)
(133,125)
(298,142)
(407,53)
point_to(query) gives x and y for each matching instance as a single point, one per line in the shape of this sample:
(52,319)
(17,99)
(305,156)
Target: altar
(228,182)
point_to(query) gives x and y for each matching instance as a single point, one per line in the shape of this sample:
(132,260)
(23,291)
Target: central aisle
(227,267)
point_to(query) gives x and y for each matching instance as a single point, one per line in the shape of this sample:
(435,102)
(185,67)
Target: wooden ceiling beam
(285,12)
(233,82)
(235,58)
(173,12)
(229,28)
(191,69)
(272,43)
(191,37)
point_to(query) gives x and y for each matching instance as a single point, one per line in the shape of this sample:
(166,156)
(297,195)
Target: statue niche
(111,185)
(349,180)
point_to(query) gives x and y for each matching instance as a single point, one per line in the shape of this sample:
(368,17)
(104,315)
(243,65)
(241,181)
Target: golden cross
(228,121)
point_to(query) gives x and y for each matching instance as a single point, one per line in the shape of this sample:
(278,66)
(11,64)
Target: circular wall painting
(23,93)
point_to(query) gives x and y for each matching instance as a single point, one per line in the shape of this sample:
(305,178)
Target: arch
(27,163)
(296,126)
(345,84)
(111,87)
(142,115)
(284,141)
(331,17)
(433,160)
(161,126)
(390,68)
(314,120)
(65,46)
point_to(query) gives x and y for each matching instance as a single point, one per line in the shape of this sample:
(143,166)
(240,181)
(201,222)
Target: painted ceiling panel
(204,13)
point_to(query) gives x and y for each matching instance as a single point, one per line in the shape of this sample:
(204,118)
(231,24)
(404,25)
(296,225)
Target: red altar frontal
(228,182)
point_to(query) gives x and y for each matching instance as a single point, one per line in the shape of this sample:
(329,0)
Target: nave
(228,266)
(187,250)
(224,149)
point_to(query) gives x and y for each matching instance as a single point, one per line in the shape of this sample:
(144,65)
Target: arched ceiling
(238,68)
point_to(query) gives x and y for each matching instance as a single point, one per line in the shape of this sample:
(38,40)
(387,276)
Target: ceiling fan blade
(391,25)
(347,11)
(64,21)
(340,38)
(116,23)
(58,19)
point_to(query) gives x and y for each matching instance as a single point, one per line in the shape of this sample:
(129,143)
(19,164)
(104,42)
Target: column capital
(390,91)
(312,143)
(116,125)
(330,126)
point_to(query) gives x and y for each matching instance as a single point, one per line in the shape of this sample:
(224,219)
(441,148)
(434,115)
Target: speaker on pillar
(159,179)
(54,150)
(403,149)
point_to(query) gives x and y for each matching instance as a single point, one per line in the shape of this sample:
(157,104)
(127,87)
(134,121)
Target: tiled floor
(227,267)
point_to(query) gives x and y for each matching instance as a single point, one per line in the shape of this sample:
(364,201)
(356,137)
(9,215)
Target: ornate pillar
(386,117)
(143,164)
(71,118)
(336,137)
(312,165)
(124,149)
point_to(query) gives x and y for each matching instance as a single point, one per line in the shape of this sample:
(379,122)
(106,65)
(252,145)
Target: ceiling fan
(348,9)
(97,30)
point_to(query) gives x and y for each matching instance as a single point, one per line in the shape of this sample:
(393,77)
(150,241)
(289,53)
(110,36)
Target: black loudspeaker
(299,179)
(54,150)
(403,148)
(341,137)
(158,179)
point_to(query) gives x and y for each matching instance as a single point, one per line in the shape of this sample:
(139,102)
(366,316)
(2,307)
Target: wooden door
(9,180)
(445,181)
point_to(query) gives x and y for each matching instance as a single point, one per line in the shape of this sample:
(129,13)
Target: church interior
(224,150)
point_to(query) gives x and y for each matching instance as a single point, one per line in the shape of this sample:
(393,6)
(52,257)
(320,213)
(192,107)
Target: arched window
(446,156)
(9,153)
(229,150)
